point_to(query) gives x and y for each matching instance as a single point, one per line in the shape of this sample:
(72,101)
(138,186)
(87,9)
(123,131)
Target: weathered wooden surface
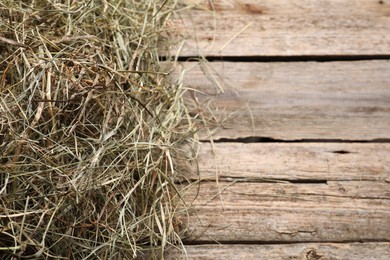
(293,162)
(289,193)
(298,100)
(310,251)
(285,27)
(275,212)
(278,199)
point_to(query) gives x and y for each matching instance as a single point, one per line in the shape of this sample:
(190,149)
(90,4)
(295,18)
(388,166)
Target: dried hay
(90,130)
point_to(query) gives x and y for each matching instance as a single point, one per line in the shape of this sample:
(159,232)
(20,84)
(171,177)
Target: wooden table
(299,165)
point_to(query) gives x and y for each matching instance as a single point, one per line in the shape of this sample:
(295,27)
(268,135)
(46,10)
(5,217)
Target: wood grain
(346,251)
(248,212)
(290,192)
(284,28)
(291,162)
(295,100)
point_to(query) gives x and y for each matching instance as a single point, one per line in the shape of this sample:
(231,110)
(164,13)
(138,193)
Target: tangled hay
(90,130)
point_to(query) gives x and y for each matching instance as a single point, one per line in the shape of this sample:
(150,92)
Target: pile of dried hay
(90,130)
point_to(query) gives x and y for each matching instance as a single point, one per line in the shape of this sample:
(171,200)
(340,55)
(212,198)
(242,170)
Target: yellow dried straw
(90,130)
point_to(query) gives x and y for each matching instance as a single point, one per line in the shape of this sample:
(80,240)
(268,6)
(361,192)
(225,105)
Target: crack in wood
(294,233)
(261,139)
(341,152)
(264,180)
(326,58)
(222,178)
(262,242)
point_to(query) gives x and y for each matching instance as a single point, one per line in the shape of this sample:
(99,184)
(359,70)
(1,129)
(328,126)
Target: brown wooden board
(291,162)
(288,200)
(283,28)
(290,192)
(345,251)
(296,100)
(289,212)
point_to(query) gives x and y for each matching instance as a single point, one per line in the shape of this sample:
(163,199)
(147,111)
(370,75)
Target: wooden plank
(347,251)
(296,100)
(291,162)
(284,28)
(248,212)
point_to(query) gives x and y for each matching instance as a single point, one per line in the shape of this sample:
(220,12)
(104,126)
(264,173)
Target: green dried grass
(90,130)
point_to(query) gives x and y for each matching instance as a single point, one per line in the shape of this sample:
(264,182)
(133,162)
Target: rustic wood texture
(309,251)
(288,200)
(299,100)
(292,162)
(290,192)
(289,212)
(284,27)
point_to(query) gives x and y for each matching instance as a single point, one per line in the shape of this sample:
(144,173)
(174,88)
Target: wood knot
(312,254)
(252,9)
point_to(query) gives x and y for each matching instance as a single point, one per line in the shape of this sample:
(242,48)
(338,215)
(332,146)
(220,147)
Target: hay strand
(90,130)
